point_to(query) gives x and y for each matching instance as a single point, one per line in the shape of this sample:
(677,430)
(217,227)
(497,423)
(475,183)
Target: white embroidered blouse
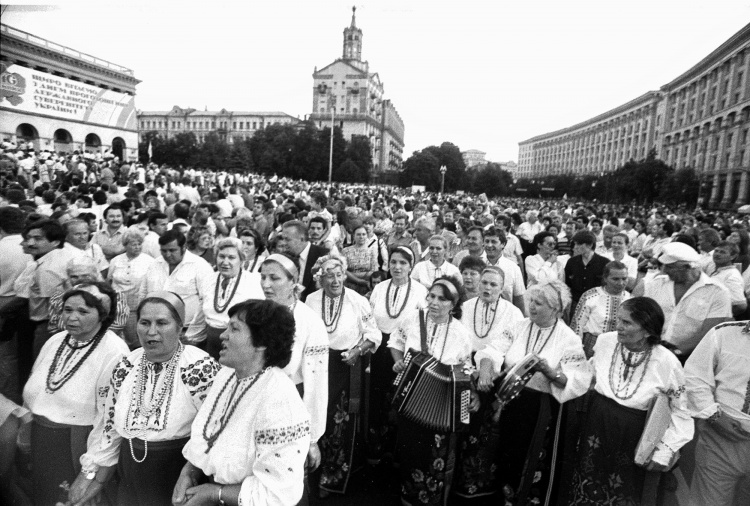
(596,312)
(380,296)
(478,318)
(354,319)
(264,443)
(448,342)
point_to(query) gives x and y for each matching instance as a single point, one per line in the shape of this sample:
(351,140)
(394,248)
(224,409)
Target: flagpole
(330,153)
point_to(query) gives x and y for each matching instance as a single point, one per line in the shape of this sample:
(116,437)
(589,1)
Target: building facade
(62,100)
(473,158)
(349,95)
(231,126)
(699,120)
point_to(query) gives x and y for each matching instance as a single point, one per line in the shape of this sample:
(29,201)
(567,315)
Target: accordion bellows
(433,394)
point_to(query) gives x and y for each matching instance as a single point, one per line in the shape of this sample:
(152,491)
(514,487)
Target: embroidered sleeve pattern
(198,377)
(283,435)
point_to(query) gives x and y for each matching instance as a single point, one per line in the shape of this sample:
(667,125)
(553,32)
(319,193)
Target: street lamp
(443,170)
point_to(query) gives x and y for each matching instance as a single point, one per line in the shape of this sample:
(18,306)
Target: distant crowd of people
(198,337)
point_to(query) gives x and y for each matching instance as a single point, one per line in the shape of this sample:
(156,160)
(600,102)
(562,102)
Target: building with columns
(230,126)
(474,158)
(700,120)
(60,99)
(349,94)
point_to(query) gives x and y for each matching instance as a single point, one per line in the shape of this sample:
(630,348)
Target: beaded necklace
(57,375)
(230,405)
(485,322)
(628,369)
(138,413)
(533,348)
(221,301)
(433,340)
(390,310)
(330,310)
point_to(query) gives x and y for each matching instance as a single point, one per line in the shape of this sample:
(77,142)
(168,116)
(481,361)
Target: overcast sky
(483,74)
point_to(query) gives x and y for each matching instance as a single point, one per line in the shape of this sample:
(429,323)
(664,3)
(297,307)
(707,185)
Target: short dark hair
(318,219)
(668,227)
(584,237)
(541,236)
(113,207)
(271,325)
(647,313)
(51,229)
(614,265)
(475,228)
(181,210)
(173,235)
(12,220)
(298,226)
(154,216)
(471,263)
(260,247)
(493,231)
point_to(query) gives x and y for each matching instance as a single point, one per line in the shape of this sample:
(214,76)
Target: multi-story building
(231,126)
(349,95)
(473,158)
(59,99)
(700,120)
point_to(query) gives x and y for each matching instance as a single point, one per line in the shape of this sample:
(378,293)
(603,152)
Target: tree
(492,180)
(681,187)
(421,168)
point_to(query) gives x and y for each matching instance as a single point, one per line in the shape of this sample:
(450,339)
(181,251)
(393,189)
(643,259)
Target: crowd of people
(201,337)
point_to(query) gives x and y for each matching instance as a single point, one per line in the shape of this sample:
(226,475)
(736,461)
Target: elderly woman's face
(134,247)
(437,252)
(616,281)
(158,332)
(80,274)
(540,312)
(332,280)
(79,319)
(490,287)
(629,332)
(438,305)
(276,284)
(205,241)
(237,347)
(228,262)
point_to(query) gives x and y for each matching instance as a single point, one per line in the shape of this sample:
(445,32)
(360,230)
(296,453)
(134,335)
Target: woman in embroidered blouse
(436,265)
(631,368)
(125,274)
(487,317)
(252,434)
(229,286)
(531,425)
(150,401)
(596,312)
(62,390)
(426,456)
(362,260)
(308,367)
(352,334)
(393,301)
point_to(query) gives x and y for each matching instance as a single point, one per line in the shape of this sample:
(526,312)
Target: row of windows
(206,125)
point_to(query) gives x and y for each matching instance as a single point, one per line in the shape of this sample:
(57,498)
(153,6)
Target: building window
(213,124)
(234,125)
(255,125)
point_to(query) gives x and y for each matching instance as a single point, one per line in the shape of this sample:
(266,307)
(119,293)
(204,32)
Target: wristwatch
(89,475)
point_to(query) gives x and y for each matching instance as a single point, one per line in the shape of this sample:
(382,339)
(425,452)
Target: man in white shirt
(729,275)
(181,272)
(513,287)
(157,225)
(77,236)
(717,377)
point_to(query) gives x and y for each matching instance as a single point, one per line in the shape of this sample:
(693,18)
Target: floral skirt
(531,449)
(476,463)
(342,443)
(381,437)
(605,472)
(426,462)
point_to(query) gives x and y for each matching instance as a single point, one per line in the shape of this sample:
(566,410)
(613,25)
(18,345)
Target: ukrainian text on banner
(28,90)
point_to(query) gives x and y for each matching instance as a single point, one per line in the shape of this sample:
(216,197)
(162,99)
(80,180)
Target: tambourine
(513,382)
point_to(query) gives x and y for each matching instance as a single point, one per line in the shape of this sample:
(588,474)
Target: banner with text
(29,90)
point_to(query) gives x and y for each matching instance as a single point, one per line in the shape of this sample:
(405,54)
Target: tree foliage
(492,180)
(423,168)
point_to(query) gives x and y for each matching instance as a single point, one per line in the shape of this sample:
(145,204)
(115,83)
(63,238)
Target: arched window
(118,148)
(93,141)
(63,140)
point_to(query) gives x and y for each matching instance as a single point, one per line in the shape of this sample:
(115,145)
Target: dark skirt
(341,444)
(381,437)
(605,471)
(55,453)
(476,463)
(531,449)
(426,463)
(151,482)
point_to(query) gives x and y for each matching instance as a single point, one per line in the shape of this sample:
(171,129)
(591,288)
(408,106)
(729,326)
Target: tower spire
(353,39)
(354,13)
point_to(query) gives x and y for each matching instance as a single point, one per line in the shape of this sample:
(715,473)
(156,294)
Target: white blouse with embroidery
(448,342)
(662,373)
(248,288)
(487,325)
(354,320)
(380,296)
(75,403)
(309,365)
(557,344)
(596,312)
(264,443)
(118,420)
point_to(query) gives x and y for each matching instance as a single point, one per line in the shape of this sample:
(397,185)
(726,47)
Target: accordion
(433,394)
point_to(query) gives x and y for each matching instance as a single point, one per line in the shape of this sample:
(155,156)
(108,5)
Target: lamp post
(443,170)
(330,151)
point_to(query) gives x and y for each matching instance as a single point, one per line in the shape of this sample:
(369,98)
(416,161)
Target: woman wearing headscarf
(250,438)
(230,285)
(150,402)
(487,317)
(62,391)
(530,425)
(392,302)
(308,367)
(427,456)
(352,334)
(631,368)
